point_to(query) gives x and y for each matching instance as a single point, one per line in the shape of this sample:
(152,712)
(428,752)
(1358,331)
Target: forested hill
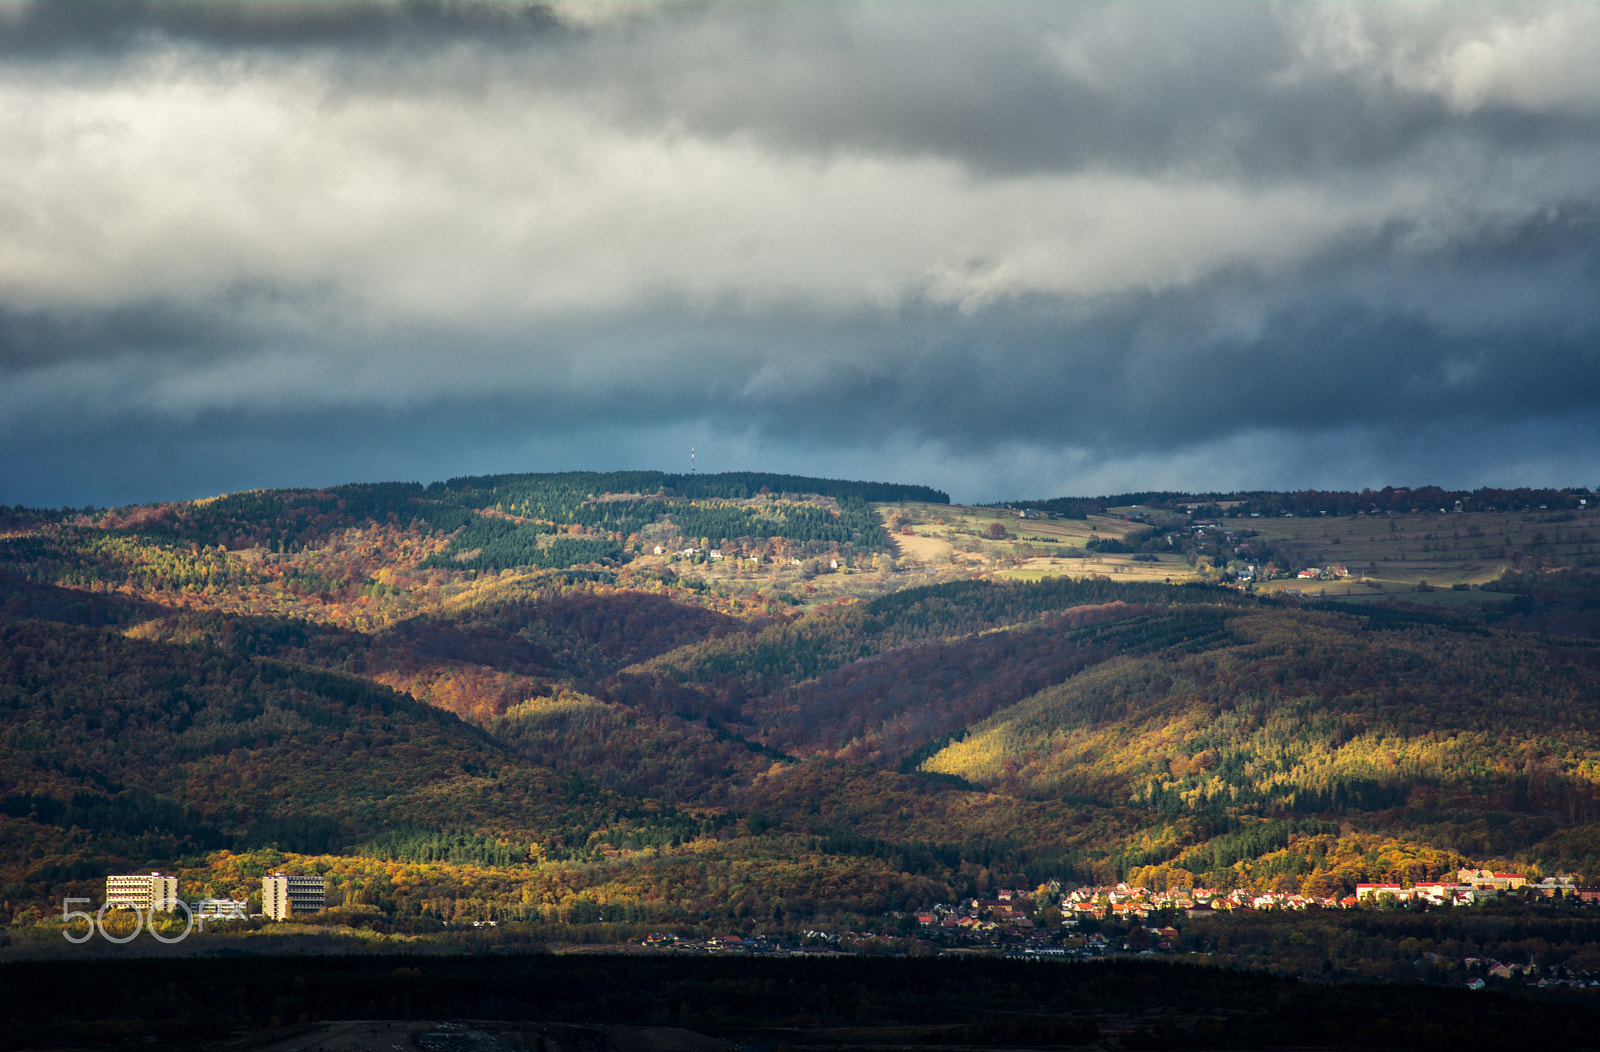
(1325,502)
(614,510)
(143,749)
(1309,713)
(736,485)
(497,522)
(639,696)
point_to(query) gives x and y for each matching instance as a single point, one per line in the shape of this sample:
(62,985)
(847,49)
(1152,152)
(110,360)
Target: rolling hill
(496,694)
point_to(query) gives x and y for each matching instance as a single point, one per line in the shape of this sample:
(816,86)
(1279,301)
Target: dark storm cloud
(1044,247)
(1064,86)
(232,322)
(54,27)
(1134,377)
(1039,87)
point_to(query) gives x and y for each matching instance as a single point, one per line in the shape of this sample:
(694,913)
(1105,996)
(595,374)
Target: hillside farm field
(1030,549)
(1384,554)
(929,543)
(1394,553)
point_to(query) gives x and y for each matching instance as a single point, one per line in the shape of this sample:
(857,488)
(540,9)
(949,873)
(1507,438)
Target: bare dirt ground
(1118,569)
(920,547)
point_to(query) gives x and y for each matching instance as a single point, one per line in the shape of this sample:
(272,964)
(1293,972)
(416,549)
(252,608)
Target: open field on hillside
(1029,549)
(1352,554)
(1444,599)
(1165,569)
(1396,552)
(934,543)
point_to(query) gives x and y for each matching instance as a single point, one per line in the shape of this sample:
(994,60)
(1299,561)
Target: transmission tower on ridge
(691,460)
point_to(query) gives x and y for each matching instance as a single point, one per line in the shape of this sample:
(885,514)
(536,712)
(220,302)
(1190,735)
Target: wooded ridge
(493,697)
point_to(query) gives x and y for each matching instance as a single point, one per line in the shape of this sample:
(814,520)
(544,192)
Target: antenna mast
(691,460)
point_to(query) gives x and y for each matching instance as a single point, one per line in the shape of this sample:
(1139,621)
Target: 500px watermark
(97,923)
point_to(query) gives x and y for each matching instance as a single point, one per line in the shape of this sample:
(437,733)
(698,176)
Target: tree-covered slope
(131,738)
(1309,713)
(360,669)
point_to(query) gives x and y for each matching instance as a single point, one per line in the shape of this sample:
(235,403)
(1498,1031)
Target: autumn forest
(590,706)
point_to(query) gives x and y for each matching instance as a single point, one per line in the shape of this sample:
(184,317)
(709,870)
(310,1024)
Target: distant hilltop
(1322,502)
(727,485)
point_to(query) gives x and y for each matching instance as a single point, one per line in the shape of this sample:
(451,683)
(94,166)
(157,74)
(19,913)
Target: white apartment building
(147,892)
(221,909)
(283,895)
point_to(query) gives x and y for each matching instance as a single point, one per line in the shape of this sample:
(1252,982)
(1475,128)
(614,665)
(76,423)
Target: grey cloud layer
(1041,243)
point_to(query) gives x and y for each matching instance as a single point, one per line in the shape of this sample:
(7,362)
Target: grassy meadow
(1395,553)
(933,543)
(1386,555)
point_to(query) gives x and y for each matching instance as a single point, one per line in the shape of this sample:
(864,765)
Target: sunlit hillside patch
(1303,708)
(1312,864)
(1013,546)
(1444,549)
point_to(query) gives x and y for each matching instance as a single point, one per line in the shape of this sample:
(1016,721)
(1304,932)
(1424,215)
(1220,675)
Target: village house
(1487,880)
(1371,892)
(1011,910)
(1439,893)
(1550,887)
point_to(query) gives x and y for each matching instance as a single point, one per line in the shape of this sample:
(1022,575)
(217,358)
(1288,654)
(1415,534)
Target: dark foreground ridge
(548,1001)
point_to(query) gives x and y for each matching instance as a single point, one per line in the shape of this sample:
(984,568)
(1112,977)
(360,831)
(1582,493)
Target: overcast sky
(1010,250)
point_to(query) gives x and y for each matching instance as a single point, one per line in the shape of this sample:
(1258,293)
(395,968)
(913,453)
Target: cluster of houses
(1331,572)
(1247,571)
(1476,885)
(1529,974)
(718,553)
(1010,909)
(1013,913)
(1016,910)
(811,943)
